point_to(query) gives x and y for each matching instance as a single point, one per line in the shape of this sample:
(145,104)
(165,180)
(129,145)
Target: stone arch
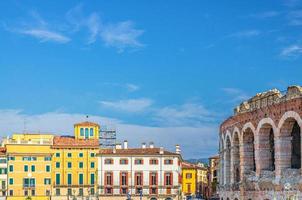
(221,154)
(265,145)
(290,135)
(228,134)
(227,160)
(247,149)
(246,126)
(235,157)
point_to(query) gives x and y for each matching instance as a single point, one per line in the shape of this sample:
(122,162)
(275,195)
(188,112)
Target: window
(11,192)
(57,155)
(81,155)
(108,161)
(153,178)
(29,158)
(11,181)
(86,132)
(108,178)
(138,190)
(153,190)
(11,168)
(33,192)
(33,168)
(168,162)
(69,179)
(138,178)
(92,164)
(91,132)
(69,192)
(69,165)
(2,160)
(92,155)
(124,190)
(47,181)
(47,192)
(57,165)
(82,132)
(81,192)
(26,193)
(58,179)
(58,192)
(11,158)
(69,155)
(108,190)
(124,179)
(81,179)
(168,179)
(81,165)
(47,158)
(92,179)
(47,168)
(153,162)
(26,168)
(92,192)
(188,175)
(3,171)
(124,161)
(139,161)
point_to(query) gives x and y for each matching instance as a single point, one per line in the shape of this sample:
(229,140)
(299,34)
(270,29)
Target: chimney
(143,145)
(125,144)
(114,151)
(151,145)
(118,146)
(161,150)
(177,147)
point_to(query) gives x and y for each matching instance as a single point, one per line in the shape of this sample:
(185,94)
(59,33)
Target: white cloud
(246,33)
(195,142)
(292,51)
(46,35)
(266,14)
(236,94)
(187,114)
(132,87)
(128,105)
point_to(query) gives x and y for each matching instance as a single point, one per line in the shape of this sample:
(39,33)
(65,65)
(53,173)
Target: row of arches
(267,147)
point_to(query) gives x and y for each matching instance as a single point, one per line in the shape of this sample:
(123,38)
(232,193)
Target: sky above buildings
(162,71)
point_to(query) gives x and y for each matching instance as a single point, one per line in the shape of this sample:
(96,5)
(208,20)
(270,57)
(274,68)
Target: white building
(146,173)
(3,173)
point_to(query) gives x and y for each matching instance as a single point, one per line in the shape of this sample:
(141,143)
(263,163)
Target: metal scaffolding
(107,137)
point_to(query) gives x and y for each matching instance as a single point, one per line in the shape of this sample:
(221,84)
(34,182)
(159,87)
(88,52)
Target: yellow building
(202,179)
(74,162)
(29,166)
(189,179)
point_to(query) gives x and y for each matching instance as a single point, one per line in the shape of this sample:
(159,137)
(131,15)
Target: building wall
(16,153)
(61,156)
(189,181)
(79,131)
(3,175)
(116,168)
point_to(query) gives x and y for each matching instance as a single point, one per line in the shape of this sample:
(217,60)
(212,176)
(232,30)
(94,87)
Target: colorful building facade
(189,179)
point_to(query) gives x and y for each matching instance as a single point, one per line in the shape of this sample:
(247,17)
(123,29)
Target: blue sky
(162,71)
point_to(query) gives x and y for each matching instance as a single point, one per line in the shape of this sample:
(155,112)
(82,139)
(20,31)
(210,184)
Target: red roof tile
(136,151)
(86,124)
(65,141)
(2,150)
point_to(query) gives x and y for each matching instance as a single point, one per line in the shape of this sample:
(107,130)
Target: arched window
(267,147)
(91,132)
(82,132)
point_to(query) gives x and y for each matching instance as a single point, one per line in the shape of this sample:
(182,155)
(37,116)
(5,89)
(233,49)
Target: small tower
(86,130)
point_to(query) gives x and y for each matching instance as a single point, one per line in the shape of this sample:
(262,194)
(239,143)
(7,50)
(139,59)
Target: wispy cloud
(120,35)
(292,51)
(246,33)
(132,87)
(236,95)
(46,35)
(189,113)
(295,18)
(128,105)
(266,14)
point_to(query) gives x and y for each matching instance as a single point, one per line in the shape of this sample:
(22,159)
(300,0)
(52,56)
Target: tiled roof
(186,165)
(2,150)
(66,141)
(136,151)
(86,124)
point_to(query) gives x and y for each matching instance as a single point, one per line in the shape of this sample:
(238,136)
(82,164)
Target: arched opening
(227,161)
(248,151)
(291,129)
(222,162)
(236,158)
(266,147)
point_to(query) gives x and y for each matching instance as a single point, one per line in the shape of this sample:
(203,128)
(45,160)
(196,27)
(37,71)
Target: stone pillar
(283,154)
(227,160)
(235,162)
(221,168)
(262,153)
(247,159)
